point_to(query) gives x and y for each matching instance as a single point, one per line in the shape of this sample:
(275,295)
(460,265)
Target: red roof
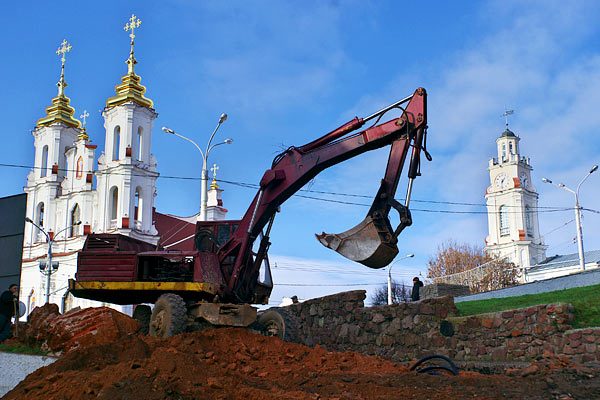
(176,233)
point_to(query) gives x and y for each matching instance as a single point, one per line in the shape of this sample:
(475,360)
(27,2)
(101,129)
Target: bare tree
(460,263)
(400,293)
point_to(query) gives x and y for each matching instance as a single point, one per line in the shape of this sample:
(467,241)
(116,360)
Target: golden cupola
(60,111)
(130,89)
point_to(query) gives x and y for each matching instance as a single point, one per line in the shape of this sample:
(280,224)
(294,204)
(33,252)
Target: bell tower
(512,205)
(54,135)
(127,170)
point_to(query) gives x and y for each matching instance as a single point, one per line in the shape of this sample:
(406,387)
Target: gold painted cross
(214,170)
(64,48)
(84,117)
(134,22)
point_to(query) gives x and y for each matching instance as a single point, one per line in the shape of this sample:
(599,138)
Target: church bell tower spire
(60,110)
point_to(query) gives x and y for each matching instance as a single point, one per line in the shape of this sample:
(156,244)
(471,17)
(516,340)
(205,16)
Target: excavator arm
(373,242)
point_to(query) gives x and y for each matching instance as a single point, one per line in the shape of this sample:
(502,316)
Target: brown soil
(233,363)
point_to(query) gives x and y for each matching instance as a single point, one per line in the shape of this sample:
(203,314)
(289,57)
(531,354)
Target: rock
(83,328)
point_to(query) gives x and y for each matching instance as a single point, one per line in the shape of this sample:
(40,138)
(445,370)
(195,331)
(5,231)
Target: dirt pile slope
(238,364)
(49,329)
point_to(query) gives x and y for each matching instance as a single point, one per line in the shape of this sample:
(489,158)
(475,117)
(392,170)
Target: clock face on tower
(501,181)
(524,180)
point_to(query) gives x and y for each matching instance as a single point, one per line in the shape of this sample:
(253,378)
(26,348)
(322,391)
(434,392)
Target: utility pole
(49,269)
(389,282)
(577,213)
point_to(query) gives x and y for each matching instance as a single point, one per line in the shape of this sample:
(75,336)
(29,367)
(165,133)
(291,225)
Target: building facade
(512,205)
(68,198)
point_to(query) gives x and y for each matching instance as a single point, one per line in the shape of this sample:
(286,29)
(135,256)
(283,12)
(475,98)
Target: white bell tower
(512,204)
(127,171)
(54,135)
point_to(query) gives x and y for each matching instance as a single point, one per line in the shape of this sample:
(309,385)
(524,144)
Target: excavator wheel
(142,314)
(271,323)
(278,323)
(169,316)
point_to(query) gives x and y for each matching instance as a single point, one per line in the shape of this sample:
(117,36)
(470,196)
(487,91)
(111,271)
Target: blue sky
(288,72)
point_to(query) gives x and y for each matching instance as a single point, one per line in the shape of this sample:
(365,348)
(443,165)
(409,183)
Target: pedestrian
(417,284)
(8,307)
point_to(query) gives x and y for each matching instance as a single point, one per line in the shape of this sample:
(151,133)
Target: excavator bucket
(371,243)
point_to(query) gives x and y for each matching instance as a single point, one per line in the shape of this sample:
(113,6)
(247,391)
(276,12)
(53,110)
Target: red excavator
(218,281)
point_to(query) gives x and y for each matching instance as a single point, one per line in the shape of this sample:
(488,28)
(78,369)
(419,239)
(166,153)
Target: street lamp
(389,283)
(204,154)
(50,269)
(577,212)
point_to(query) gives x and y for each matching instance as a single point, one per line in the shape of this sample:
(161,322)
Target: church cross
(64,48)
(84,117)
(134,22)
(506,114)
(214,170)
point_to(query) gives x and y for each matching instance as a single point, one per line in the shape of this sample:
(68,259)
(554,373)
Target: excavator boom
(373,242)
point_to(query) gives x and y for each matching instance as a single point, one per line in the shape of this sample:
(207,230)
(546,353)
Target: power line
(557,228)
(254,186)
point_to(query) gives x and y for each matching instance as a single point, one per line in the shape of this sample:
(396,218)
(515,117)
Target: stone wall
(411,330)
(443,289)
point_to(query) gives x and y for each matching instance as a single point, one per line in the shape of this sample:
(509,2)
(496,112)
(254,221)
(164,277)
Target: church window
(114,206)
(139,208)
(44,169)
(75,218)
(140,132)
(510,148)
(79,170)
(116,143)
(504,228)
(528,222)
(40,214)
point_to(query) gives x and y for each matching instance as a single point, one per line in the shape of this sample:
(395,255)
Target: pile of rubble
(103,357)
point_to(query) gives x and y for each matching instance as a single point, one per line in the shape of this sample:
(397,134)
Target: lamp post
(204,154)
(577,212)
(49,269)
(389,282)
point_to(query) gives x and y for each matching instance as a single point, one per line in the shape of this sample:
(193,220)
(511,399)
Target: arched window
(528,222)
(75,218)
(140,133)
(504,152)
(139,208)
(44,170)
(510,148)
(38,236)
(116,143)
(504,228)
(40,214)
(79,168)
(114,206)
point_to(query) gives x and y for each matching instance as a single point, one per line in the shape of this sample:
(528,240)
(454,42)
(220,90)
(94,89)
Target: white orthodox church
(512,204)
(69,198)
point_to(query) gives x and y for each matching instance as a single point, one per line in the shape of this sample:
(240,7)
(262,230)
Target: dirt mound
(233,363)
(81,328)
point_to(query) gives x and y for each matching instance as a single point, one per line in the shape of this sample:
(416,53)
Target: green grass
(21,349)
(586,301)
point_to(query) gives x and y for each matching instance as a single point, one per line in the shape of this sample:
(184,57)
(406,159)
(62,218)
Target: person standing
(417,285)
(8,307)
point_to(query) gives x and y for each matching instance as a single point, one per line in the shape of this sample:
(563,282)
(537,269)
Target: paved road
(15,367)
